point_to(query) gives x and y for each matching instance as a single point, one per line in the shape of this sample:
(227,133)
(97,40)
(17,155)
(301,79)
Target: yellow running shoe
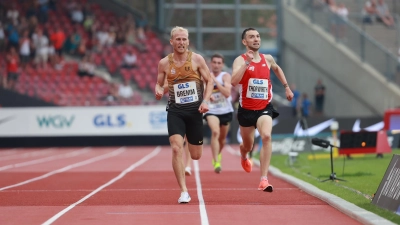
(217,167)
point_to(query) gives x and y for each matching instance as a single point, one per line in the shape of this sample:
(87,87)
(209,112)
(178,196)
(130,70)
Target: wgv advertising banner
(83,121)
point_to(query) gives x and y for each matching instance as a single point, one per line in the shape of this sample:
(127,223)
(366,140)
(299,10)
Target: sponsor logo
(200,142)
(158,119)
(255,81)
(107,120)
(187,99)
(55,121)
(4,120)
(257,95)
(183,85)
(376,127)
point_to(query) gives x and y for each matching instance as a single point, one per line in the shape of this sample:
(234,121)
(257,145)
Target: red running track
(136,185)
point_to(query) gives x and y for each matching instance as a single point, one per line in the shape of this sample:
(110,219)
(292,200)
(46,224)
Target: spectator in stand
(77,14)
(41,46)
(369,12)
(12,61)
(72,43)
(102,36)
(295,100)
(2,37)
(86,67)
(43,10)
(319,97)
(13,37)
(125,90)
(343,13)
(58,40)
(25,44)
(305,106)
(383,14)
(13,14)
(130,60)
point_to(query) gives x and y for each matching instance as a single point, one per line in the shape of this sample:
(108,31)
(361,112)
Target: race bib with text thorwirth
(185,92)
(257,89)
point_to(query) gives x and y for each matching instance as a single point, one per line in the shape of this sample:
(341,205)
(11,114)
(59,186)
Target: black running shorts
(248,118)
(189,123)
(224,119)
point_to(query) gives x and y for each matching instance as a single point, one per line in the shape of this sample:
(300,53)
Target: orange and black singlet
(185,86)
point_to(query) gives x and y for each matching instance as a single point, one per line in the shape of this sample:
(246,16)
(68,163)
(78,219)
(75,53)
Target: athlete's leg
(247,134)
(188,159)
(264,126)
(176,142)
(213,123)
(224,129)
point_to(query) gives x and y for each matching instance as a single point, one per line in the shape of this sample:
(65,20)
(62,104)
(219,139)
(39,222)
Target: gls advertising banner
(83,121)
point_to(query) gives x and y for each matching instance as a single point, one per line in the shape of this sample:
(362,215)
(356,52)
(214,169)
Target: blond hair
(177,28)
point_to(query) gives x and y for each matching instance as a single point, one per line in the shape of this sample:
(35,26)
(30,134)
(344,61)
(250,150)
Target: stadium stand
(90,31)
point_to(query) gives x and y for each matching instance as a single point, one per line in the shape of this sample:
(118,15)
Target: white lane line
(47,159)
(202,206)
(28,154)
(232,151)
(150,189)
(122,174)
(8,151)
(88,161)
(140,213)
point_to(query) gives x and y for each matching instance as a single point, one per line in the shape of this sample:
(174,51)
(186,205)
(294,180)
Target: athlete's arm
(161,77)
(205,74)
(281,76)
(226,87)
(240,66)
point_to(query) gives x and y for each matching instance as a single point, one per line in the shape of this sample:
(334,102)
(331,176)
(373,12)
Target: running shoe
(188,171)
(246,164)
(265,186)
(217,167)
(185,198)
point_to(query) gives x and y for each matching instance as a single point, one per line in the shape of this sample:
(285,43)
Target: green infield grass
(363,174)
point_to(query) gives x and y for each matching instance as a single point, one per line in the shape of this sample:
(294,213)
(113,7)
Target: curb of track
(350,209)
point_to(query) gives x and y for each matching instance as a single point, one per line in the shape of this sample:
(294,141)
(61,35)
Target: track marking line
(10,151)
(47,159)
(28,154)
(202,206)
(140,213)
(121,175)
(82,163)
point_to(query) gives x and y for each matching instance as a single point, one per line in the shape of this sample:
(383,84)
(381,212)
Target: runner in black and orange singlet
(251,71)
(185,73)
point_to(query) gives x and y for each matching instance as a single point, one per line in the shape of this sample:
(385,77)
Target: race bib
(218,102)
(185,92)
(257,89)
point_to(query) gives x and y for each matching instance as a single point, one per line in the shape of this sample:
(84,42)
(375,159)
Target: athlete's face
(216,65)
(180,41)
(252,40)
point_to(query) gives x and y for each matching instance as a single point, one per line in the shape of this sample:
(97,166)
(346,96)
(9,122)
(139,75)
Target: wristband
(285,85)
(247,63)
(207,102)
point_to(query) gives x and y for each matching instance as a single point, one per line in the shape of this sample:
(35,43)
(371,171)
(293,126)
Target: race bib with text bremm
(218,102)
(257,88)
(185,92)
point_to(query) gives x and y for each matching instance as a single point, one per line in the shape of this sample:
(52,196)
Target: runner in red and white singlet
(256,89)
(251,73)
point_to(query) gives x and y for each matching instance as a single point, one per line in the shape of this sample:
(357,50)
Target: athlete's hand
(203,107)
(159,91)
(289,94)
(249,56)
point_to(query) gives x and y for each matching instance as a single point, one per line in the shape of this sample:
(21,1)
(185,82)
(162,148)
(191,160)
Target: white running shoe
(188,171)
(185,198)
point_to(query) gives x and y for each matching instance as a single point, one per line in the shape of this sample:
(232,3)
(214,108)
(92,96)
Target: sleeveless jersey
(255,87)
(185,86)
(221,104)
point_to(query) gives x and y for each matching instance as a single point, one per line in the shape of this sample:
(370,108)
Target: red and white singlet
(255,87)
